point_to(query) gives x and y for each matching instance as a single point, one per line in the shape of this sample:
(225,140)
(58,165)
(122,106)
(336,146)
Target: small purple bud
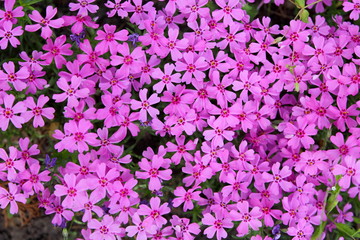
(276,229)
(50,162)
(77,37)
(133,38)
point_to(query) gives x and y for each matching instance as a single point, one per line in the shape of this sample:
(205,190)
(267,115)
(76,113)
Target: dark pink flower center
(104,230)
(300,133)
(79,136)
(154,172)
(8,113)
(37,111)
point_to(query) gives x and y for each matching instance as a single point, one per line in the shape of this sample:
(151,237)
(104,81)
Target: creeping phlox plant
(183,119)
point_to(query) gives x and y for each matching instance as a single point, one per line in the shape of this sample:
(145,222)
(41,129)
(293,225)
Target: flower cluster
(257,123)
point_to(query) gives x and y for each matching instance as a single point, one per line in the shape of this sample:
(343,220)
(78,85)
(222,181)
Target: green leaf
(318,231)
(357,221)
(332,201)
(251,10)
(349,231)
(304,15)
(300,3)
(357,234)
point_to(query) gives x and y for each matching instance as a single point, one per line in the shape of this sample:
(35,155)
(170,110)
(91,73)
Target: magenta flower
(71,92)
(37,110)
(104,230)
(79,21)
(184,228)
(71,189)
(84,6)
(10,111)
(130,62)
(60,212)
(154,212)
(139,228)
(8,34)
(350,171)
(194,66)
(166,78)
(12,196)
(56,50)
(217,225)
(11,163)
(186,197)
(248,219)
(301,231)
(229,10)
(92,56)
(14,78)
(145,105)
(44,23)
(88,205)
(299,135)
(152,171)
(277,179)
(354,7)
(77,136)
(109,39)
(10,14)
(32,178)
(218,133)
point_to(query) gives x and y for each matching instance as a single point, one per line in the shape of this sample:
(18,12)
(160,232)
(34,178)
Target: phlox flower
(104,177)
(12,196)
(139,228)
(109,39)
(218,90)
(122,192)
(180,98)
(27,151)
(71,189)
(145,105)
(154,212)
(354,7)
(10,14)
(218,133)
(311,162)
(79,112)
(83,7)
(268,213)
(248,219)
(92,56)
(61,213)
(186,197)
(344,215)
(56,50)
(343,114)
(166,78)
(8,34)
(71,92)
(77,136)
(79,21)
(117,7)
(194,65)
(10,111)
(151,170)
(34,62)
(300,134)
(348,148)
(104,230)
(198,174)
(350,171)
(107,144)
(277,177)
(294,210)
(181,149)
(154,37)
(141,12)
(88,205)
(194,9)
(34,81)
(15,79)
(44,23)
(232,37)
(130,62)
(217,225)
(11,163)
(182,123)
(229,10)
(32,178)
(37,110)
(183,227)
(301,231)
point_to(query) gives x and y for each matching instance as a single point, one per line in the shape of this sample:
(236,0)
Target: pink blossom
(44,23)
(8,34)
(12,196)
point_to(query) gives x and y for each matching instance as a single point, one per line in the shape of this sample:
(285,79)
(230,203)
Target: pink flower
(229,10)
(145,105)
(14,78)
(139,228)
(37,111)
(104,230)
(354,7)
(130,62)
(277,179)
(218,133)
(154,212)
(11,163)
(8,34)
(12,196)
(10,14)
(32,178)
(300,133)
(44,23)
(186,197)
(194,66)
(301,231)
(71,92)
(152,171)
(71,189)
(109,39)
(217,225)
(83,6)
(248,219)
(350,171)
(56,50)
(8,113)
